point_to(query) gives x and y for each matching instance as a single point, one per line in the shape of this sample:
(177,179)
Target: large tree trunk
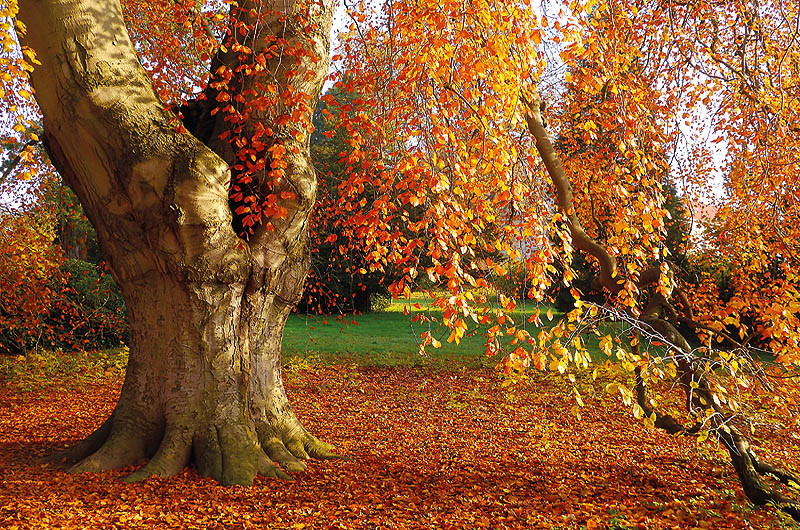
(206,308)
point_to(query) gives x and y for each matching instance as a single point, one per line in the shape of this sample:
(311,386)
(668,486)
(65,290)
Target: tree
(338,280)
(74,234)
(206,307)
(477,135)
(30,280)
(204,222)
(50,297)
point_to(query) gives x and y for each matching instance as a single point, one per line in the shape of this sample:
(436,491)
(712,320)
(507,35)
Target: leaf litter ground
(425,448)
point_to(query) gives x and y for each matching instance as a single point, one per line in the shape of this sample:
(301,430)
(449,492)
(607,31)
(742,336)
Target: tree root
(288,443)
(289,447)
(278,452)
(230,452)
(122,448)
(83,448)
(172,456)
(307,446)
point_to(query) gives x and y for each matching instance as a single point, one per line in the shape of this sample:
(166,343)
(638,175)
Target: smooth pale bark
(207,309)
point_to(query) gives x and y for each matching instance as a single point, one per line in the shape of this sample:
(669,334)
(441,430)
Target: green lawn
(387,338)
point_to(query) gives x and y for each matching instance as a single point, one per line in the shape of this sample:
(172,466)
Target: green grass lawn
(384,338)
(388,337)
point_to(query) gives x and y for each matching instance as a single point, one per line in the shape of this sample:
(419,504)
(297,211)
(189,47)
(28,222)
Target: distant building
(703,216)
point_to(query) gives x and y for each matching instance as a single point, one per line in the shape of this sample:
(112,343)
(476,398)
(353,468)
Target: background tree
(52,298)
(30,276)
(338,280)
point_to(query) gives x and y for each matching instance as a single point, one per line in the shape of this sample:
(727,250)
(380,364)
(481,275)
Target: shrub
(92,311)
(30,280)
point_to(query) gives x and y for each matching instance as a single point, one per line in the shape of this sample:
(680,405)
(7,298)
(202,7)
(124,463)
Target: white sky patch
(698,134)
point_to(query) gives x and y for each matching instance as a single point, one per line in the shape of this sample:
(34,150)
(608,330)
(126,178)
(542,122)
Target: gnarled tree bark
(206,308)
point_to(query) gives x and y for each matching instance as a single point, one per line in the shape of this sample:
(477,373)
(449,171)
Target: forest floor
(445,447)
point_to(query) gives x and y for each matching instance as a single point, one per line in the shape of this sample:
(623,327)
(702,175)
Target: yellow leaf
(578,398)
(605,345)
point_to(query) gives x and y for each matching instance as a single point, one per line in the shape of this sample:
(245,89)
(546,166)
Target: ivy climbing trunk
(207,309)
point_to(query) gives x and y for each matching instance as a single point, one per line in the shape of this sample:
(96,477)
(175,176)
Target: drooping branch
(582,241)
(663,421)
(701,399)
(655,317)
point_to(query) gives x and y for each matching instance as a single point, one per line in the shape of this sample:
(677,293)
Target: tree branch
(15,161)
(608,263)
(699,396)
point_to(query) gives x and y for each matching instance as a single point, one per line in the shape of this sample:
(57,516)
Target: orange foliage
(439,124)
(30,278)
(438,137)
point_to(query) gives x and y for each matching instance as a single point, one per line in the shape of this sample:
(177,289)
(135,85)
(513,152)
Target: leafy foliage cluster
(55,291)
(338,280)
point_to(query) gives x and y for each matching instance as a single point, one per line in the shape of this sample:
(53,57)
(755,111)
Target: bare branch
(16,160)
